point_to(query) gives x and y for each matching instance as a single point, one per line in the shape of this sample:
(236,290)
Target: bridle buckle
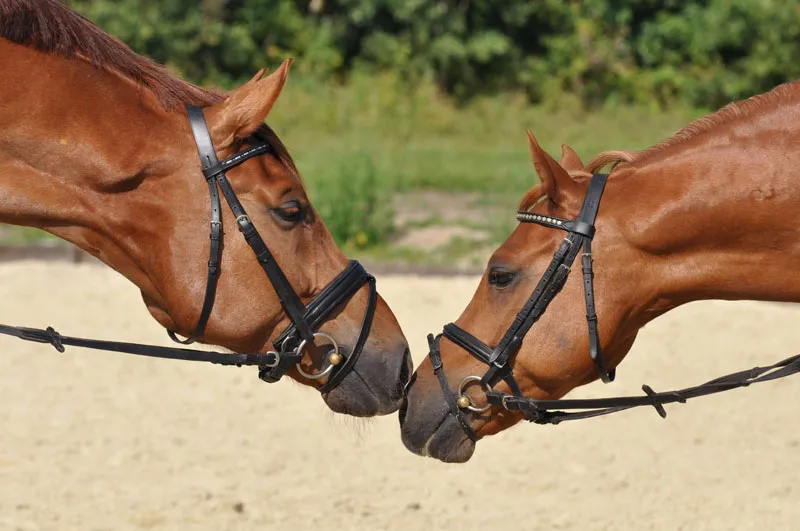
(580,233)
(274,363)
(504,402)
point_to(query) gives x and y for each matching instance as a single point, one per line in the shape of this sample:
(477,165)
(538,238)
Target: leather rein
(580,232)
(305,319)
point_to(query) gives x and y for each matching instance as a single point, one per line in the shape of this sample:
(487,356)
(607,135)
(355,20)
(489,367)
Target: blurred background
(407,118)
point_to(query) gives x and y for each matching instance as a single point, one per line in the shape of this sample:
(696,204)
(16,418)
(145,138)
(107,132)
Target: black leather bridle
(305,319)
(579,236)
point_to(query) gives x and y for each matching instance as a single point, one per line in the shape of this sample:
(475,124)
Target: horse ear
(244,109)
(556,182)
(570,160)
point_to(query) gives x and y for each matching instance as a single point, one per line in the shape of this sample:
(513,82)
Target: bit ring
(327,369)
(486,387)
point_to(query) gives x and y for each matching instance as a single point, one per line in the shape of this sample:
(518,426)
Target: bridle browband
(580,232)
(579,235)
(305,319)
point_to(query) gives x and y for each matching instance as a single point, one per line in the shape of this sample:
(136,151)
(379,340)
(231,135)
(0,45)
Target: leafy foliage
(442,88)
(354,203)
(657,52)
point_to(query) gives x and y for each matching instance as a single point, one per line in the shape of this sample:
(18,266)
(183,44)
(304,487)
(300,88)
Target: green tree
(701,52)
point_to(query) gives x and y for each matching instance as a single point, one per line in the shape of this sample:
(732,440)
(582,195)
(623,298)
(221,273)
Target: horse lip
(424,451)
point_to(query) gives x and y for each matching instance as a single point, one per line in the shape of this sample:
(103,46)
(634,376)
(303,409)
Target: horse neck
(714,217)
(75,145)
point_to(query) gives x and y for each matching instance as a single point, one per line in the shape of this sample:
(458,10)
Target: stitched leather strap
(468,342)
(339,291)
(595,352)
(588,216)
(545,411)
(290,302)
(580,233)
(344,369)
(211,169)
(49,335)
(547,288)
(304,319)
(449,395)
(208,159)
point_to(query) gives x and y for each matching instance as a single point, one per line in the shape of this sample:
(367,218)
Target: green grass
(12,235)
(419,139)
(396,138)
(357,145)
(356,208)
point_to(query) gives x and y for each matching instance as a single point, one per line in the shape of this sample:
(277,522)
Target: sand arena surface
(95,441)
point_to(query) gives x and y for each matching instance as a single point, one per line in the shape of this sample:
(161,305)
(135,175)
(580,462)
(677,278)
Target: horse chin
(449,443)
(434,432)
(349,398)
(354,396)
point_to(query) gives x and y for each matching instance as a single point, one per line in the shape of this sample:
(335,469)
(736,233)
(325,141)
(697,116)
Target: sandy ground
(93,441)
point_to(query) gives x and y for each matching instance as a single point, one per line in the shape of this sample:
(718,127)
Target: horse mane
(725,115)
(50,26)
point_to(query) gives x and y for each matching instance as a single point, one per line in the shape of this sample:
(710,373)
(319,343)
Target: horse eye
(291,211)
(500,277)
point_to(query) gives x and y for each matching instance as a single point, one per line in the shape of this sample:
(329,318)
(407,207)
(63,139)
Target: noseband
(580,233)
(305,319)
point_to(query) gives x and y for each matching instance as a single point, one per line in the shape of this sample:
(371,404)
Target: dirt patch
(432,238)
(449,207)
(95,441)
(458,229)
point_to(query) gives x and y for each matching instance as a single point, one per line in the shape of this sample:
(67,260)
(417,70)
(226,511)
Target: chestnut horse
(96,148)
(701,215)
